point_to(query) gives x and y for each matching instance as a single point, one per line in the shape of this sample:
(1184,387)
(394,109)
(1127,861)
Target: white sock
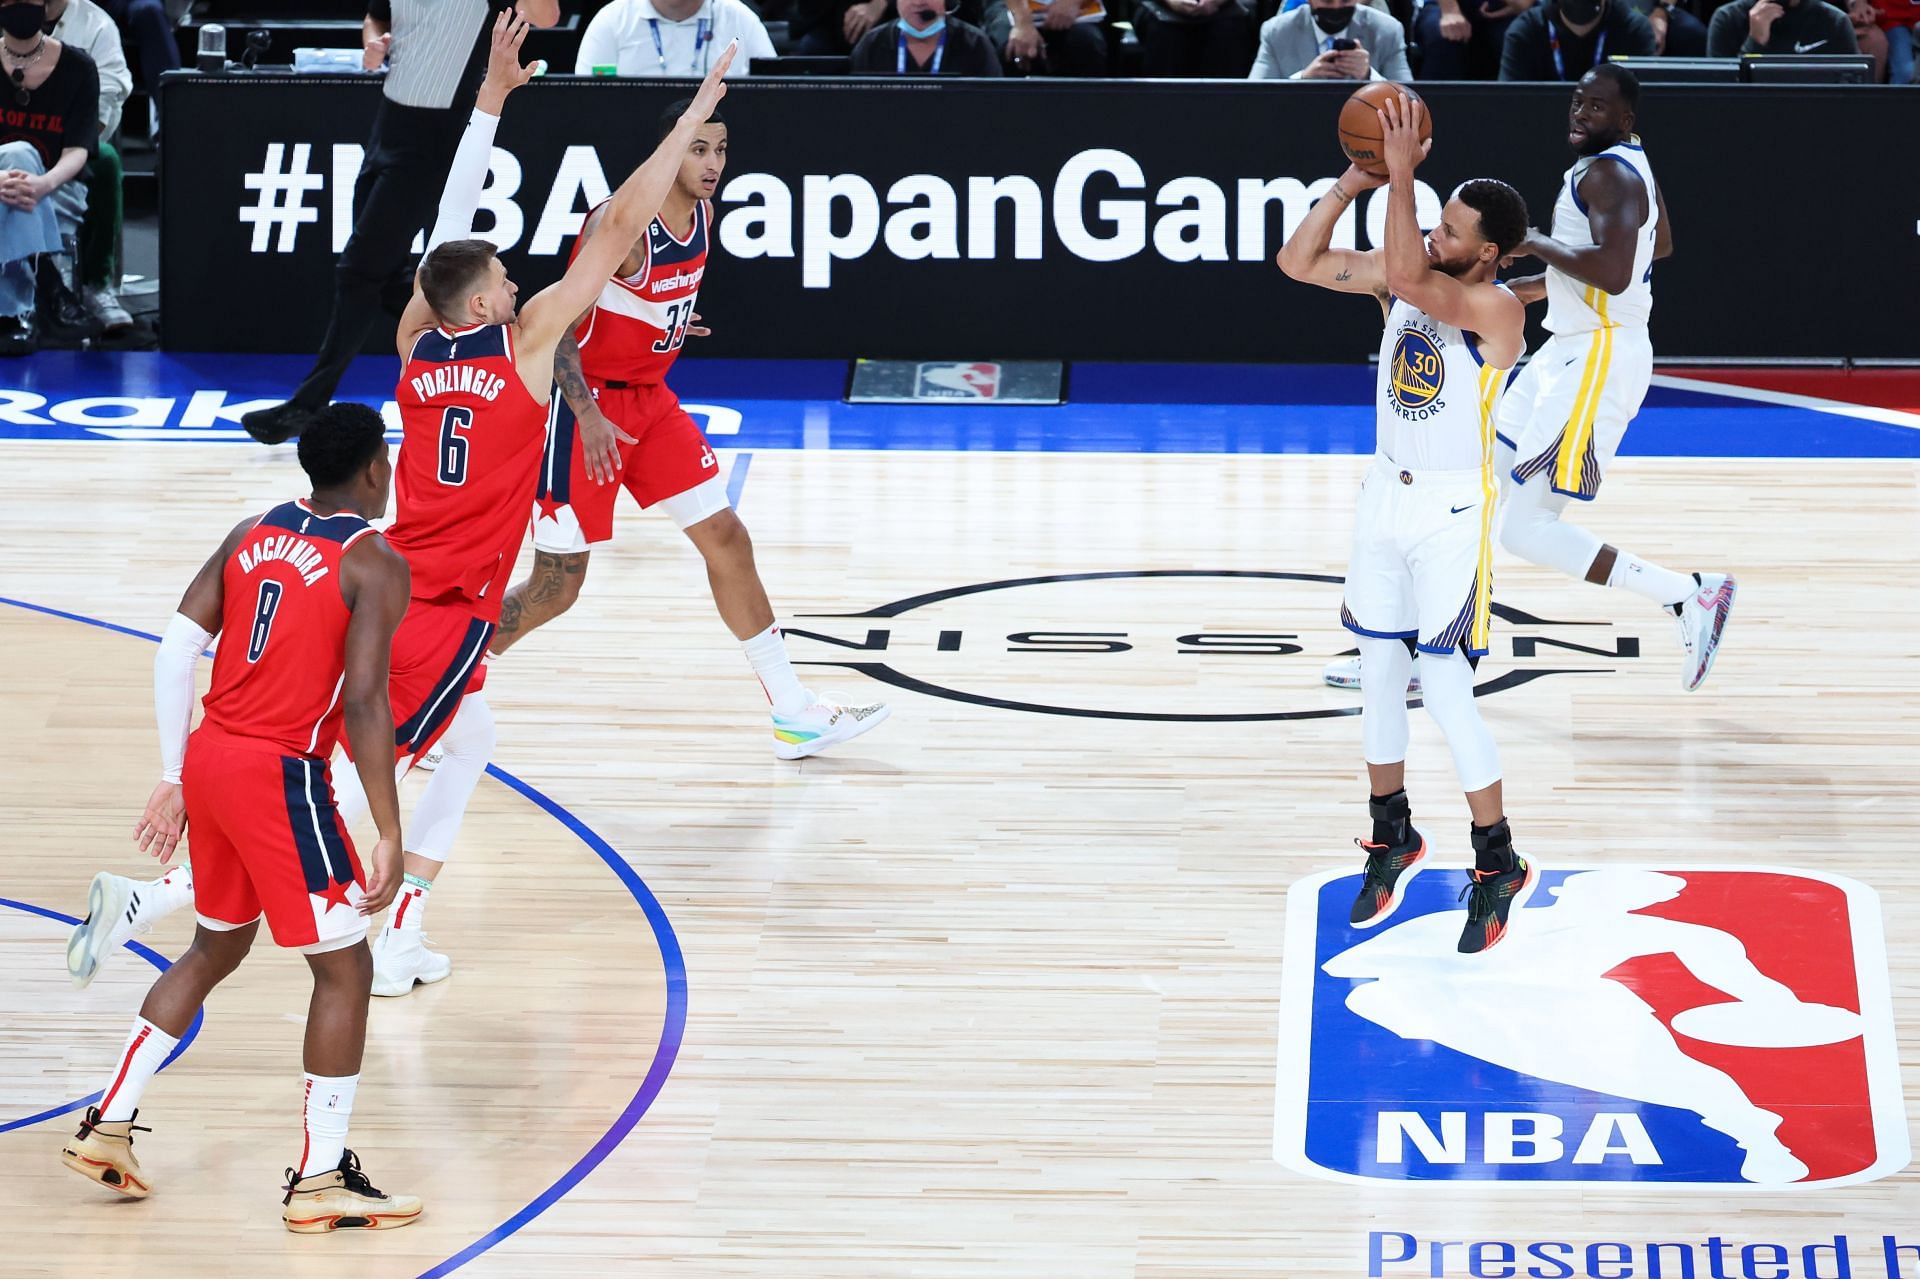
(1661,585)
(172,891)
(409,913)
(329,1107)
(768,653)
(147,1047)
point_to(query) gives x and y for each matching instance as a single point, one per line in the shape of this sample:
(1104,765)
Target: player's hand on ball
(163,822)
(1357,180)
(1400,120)
(385,871)
(601,454)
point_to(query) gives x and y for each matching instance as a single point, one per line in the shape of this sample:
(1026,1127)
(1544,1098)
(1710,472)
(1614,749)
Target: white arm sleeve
(461,196)
(173,668)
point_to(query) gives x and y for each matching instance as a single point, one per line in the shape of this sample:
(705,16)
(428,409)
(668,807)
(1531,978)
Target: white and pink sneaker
(1703,616)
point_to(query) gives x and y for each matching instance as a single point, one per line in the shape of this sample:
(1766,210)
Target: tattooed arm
(600,439)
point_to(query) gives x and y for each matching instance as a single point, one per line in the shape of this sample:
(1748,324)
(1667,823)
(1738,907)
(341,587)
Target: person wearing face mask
(1565,39)
(49,126)
(925,40)
(1299,44)
(1779,26)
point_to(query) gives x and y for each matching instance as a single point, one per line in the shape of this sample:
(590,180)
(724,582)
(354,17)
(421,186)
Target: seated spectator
(47,132)
(1067,37)
(82,24)
(1565,39)
(826,27)
(1895,20)
(1868,35)
(923,40)
(1298,44)
(1464,39)
(151,30)
(1677,33)
(1769,26)
(1208,38)
(671,38)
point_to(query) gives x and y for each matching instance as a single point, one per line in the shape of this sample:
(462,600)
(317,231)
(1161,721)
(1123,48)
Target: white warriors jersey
(1574,306)
(1436,397)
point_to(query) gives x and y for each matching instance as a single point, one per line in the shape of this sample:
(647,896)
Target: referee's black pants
(396,194)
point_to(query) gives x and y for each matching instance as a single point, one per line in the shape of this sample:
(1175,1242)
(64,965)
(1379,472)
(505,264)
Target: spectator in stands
(1464,39)
(1677,33)
(822,28)
(1868,35)
(671,37)
(1298,44)
(1209,38)
(1770,26)
(1064,37)
(1895,20)
(1565,39)
(49,125)
(151,30)
(82,24)
(923,40)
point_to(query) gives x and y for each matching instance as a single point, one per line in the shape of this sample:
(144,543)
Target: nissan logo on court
(1168,645)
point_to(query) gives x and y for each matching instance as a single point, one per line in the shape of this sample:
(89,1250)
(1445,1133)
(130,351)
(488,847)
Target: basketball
(1360,134)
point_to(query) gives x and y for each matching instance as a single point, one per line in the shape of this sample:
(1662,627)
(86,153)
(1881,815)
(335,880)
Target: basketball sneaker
(117,909)
(401,960)
(830,721)
(1703,616)
(1492,897)
(430,761)
(103,1152)
(1393,857)
(343,1200)
(1344,672)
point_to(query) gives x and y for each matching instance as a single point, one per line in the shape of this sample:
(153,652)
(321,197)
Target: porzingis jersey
(283,631)
(1576,307)
(469,458)
(1435,397)
(636,328)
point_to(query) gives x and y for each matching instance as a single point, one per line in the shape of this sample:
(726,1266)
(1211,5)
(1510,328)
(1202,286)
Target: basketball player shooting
(619,426)
(1420,573)
(307,597)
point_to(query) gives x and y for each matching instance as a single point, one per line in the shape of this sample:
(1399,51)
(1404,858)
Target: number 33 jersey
(472,438)
(639,323)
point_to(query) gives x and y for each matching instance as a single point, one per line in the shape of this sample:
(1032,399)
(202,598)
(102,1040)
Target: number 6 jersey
(472,438)
(639,323)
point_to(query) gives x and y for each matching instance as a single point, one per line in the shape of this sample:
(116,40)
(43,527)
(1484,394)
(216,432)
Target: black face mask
(23,20)
(1333,21)
(1580,11)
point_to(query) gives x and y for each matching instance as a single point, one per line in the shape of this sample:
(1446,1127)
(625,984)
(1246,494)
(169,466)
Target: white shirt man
(677,38)
(83,25)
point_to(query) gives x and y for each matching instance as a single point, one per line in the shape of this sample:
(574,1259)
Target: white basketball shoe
(401,960)
(830,721)
(1344,672)
(1703,617)
(117,909)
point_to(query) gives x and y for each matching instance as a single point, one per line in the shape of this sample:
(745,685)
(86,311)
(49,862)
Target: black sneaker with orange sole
(1492,897)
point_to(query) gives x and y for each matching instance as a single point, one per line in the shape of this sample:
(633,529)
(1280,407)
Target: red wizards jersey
(471,442)
(283,631)
(639,322)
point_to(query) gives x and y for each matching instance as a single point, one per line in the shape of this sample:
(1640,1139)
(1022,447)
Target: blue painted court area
(794,404)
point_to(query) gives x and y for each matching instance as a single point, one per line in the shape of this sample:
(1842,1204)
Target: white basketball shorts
(1422,562)
(1567,412)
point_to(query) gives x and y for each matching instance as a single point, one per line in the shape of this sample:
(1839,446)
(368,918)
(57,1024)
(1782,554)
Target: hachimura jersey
(1434,396)
(639,323)
(469,458)
(1577,307)
(282,655)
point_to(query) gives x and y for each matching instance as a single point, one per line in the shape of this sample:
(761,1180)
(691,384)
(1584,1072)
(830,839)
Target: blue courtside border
(672,960)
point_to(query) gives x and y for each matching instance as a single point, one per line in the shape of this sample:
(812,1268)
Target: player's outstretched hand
(714,87)
(504,72)
(1400,120)
(162,823)
(384,873)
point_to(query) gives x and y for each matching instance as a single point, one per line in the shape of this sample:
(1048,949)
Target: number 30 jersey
(283,631)
(638,324)
(471,442)
(1436,397)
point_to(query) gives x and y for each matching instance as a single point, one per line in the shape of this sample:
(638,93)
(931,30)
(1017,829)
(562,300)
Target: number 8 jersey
(636,328)
(471,442)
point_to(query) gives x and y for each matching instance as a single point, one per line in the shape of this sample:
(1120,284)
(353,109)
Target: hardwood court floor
(992,993)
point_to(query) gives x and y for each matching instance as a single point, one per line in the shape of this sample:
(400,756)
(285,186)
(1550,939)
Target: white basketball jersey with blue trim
(1435,397)
(1574,306)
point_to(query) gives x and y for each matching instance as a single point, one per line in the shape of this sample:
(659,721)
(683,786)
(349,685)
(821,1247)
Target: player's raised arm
(1308,256)
(622,221)
(373,582)
(1616,204)
(1476,306)
(468,175)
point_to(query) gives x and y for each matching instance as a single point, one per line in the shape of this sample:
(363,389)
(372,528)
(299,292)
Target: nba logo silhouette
(1717,1027)
(978,381)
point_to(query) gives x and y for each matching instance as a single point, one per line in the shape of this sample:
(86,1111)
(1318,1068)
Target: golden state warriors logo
(1417,373)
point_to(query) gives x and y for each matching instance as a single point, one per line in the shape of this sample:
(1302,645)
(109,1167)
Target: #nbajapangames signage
(1674,1026)
(938,220)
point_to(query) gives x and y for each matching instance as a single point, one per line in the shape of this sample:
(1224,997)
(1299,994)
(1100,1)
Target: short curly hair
(1502,210)
(338,441)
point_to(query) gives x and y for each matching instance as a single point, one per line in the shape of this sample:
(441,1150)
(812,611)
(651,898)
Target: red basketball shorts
(437,660)
(266,840)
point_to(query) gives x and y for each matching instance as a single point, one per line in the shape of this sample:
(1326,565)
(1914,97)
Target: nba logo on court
(1671,1025)
(978,381)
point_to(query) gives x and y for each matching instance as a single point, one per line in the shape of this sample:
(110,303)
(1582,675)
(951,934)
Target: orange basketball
(1360,135)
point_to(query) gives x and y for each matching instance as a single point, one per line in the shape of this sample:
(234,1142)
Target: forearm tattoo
(568,375)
